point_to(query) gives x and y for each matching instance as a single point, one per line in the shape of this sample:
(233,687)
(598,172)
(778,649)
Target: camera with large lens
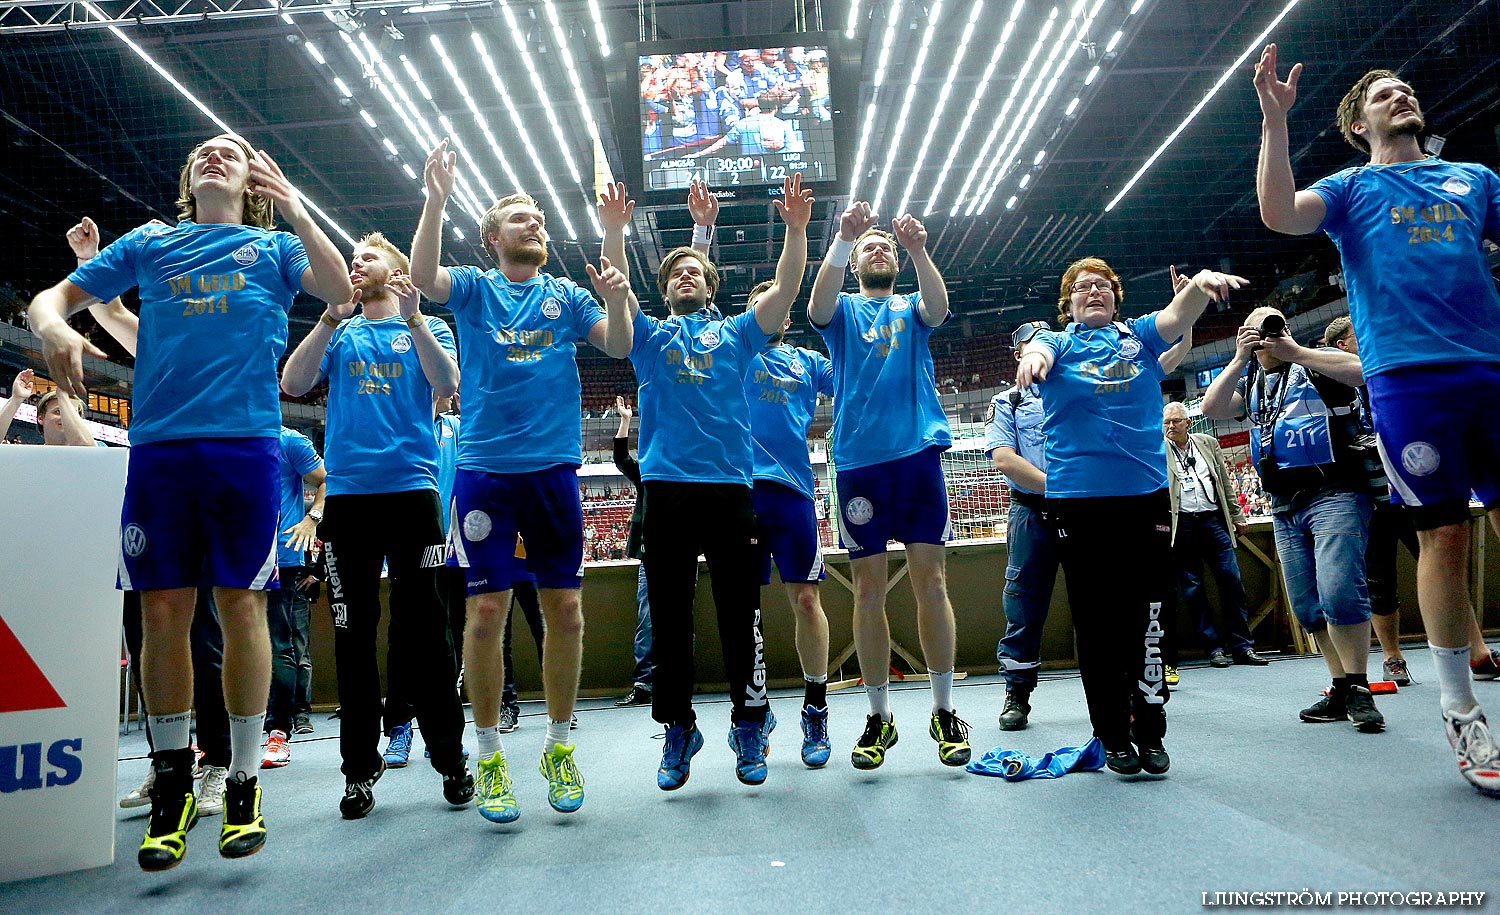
(1273,325)
(1266,466)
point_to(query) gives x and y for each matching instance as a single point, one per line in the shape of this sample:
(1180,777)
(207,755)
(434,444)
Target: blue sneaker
(815,747)
(492,794)
(682,743)
(564,781)
(398,751)
(751,743)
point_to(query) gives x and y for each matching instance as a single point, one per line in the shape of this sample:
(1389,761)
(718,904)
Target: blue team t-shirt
(1018,427)
(695,420)
(445,430)
(1102,406)
(298,459)
(885,401)
(379,436)
(214,301)
(1411,237)
(522,396)
(782,389)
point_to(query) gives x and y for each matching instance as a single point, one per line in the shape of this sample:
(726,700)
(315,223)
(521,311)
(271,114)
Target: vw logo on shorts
(477,525)
(709,338)
(402,343)
(859,510)
(133,538)
(1456,185)
(552,308)
(1420,459)
(245,254)
(1130,347)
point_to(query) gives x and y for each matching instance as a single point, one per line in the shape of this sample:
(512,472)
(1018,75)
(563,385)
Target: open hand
(795,203)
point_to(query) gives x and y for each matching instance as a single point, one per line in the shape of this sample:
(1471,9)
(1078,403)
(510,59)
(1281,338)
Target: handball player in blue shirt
(515,501)
(889,432)
(696,467)
(1411,230)
(215,290)
(384,367)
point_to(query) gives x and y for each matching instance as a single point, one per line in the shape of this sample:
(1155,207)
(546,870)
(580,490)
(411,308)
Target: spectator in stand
(60,419)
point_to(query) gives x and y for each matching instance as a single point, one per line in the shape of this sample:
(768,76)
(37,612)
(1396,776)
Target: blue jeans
(1320,540)
(286,618)
(1030,574)
(1204,538)
(643,663)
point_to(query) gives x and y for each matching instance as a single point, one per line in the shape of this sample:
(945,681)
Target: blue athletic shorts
(503,525)
(902,500)
(201,513)
(786,527)
(1438,427)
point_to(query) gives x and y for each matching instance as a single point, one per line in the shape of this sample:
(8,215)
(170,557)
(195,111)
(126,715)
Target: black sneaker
(1016,712)
(638,695)
(458,790)
(1329,708)
(359,796)
(174,811)
(952,735)
(301,724)
(1123,761)
(869,751)
(1154,760)
(1362,713)
(244,830)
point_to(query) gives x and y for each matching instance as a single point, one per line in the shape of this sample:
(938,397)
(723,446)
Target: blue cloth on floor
(1015,766)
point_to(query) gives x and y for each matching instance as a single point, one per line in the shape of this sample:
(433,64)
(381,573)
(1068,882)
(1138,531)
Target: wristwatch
(316,515)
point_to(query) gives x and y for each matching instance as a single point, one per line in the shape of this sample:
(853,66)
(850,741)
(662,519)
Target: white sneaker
(140,797)
(1478,756)
(211,793)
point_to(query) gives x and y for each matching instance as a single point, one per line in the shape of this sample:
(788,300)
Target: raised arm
(1187,305)
(704,208)
(429,275)
(1221,400)
(438,366)
(301,370)
(1328,360)
(62,346)
(1283,208)
(912,235)
(327,273)
(1172,358)
(117,320)
(795,207)
(830,279)
(20,391)
(615,334)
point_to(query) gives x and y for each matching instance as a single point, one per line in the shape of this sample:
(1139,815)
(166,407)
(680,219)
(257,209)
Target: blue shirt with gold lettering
(885,402)
(522,396)
(695,420)
(1411,237)
(1102,410)
(379,436)
(782,389)
(214,300)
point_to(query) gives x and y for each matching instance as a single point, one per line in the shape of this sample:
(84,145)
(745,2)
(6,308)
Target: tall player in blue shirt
(515,497)
(1410,229)
(214,290)
(696,464)
(384,368)
(888,433)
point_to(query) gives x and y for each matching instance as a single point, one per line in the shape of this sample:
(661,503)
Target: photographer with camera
(1317,465)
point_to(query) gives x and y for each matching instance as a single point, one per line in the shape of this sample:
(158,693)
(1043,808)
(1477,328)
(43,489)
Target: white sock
(880,700)
(1455,683)
(489,741)
(171,732)
(244,743)
(557,732)
(942,690)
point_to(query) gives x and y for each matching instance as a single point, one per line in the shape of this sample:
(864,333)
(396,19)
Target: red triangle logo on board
(23,686)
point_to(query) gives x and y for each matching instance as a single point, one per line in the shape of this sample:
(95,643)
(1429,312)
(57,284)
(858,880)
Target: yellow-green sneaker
(166,835)
(564,781)
(952,735)
(244,830)
(493,795)
(879,736)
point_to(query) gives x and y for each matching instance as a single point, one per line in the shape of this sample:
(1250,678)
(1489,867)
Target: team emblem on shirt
(1130,348)
(552,308)
(1420,459)
(899,304)
(245,254)
(797,368)
(1456,185)
(859,510)
(133,538)
(402,343)
(477,525)
(709,338)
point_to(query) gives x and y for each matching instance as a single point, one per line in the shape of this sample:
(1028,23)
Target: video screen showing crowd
(725,405)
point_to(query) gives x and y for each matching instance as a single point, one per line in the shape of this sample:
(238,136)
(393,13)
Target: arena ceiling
(90,127)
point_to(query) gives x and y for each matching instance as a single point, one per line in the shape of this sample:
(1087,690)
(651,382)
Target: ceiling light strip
(942,104)
(887,40)
(934,15)
(1254,45)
